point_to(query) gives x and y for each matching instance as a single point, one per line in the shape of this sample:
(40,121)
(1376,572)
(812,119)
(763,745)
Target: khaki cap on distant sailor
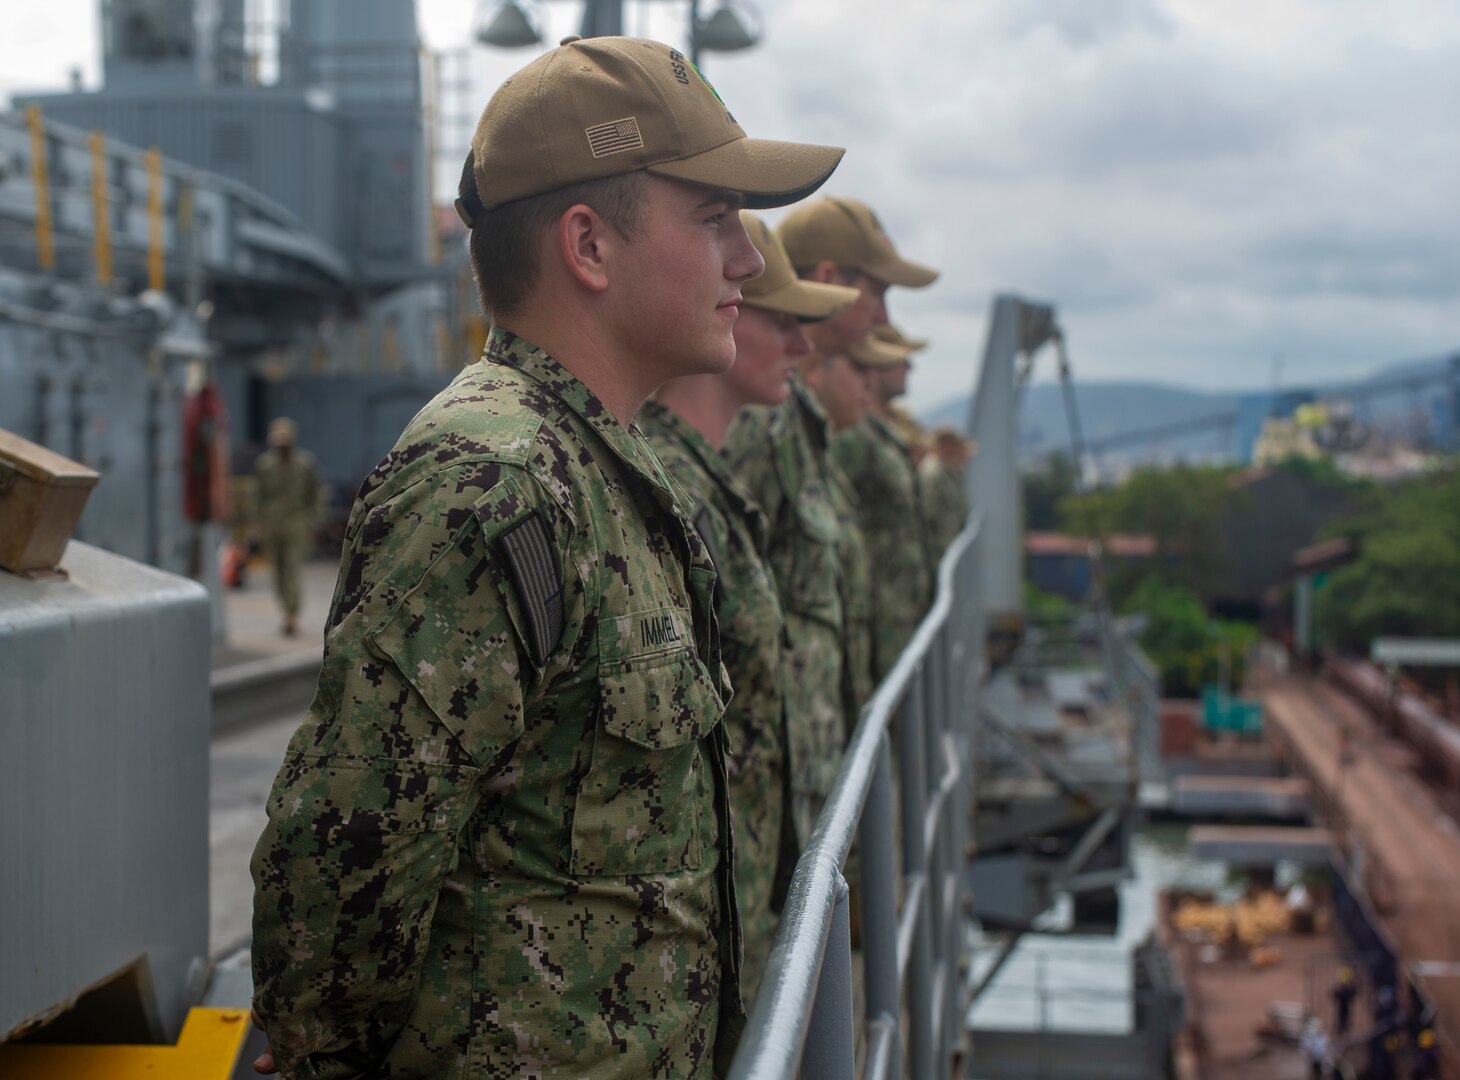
(779,289)
(849,234)
(893,336)
(283,432)
(869,352)
(600,107)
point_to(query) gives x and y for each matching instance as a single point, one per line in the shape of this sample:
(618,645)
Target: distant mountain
(1192,423)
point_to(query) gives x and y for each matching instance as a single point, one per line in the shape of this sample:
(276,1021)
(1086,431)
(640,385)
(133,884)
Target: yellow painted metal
(207,1049)
(101,240)
(185,210)
(40,177)
(156,267)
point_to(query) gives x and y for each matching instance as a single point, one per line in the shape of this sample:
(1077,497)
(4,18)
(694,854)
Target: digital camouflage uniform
(781,455)
(856,588)
(752,637)
(944,500)
(499,843)
(290,500)
(877,462)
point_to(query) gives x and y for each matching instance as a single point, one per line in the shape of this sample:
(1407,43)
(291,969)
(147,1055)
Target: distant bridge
(1225,422)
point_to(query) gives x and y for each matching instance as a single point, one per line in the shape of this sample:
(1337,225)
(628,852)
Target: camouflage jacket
(288,494)
(752,637)
(781,455)
(857,597)
(945,501)
(890,508)
(499,844)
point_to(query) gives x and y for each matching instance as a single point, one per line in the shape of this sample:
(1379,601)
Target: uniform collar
(884,428)
(657,417)
(505,347)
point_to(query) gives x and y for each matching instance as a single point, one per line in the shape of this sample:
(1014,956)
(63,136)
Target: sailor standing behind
(783,456)
(686,424)
(945,493)
(879,462)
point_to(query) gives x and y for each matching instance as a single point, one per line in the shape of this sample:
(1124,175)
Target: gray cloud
(1195,186)
(1341,258)
(1084,24)
(1192,206)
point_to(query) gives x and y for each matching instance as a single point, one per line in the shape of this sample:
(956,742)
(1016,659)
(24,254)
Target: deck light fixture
(510,26)
(515,24)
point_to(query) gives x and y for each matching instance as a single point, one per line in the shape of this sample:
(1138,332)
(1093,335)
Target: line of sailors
(513,835)
(826,509)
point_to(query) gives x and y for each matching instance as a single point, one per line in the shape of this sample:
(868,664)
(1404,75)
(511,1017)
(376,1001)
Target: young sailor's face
(682,278)
(767,346)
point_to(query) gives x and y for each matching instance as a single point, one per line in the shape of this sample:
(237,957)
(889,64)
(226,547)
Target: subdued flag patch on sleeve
(528,548)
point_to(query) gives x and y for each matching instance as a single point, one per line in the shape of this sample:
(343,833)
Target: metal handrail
(802,1018)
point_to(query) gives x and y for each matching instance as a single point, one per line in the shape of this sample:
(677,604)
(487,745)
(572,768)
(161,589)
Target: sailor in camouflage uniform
(945,495)
(878,461)
(841,239)
(499,844)
(783,456)
(686,425)
(289,499)
(860,570)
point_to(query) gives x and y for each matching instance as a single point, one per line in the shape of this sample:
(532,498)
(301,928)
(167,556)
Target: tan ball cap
(893,336)
(600,107)
(283,432)
(779,289)
(849,234)
(871,353)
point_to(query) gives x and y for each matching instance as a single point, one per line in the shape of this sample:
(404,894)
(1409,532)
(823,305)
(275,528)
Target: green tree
(1178,507)
(1322,472)
(1191,649)
(1047,607)
(1406,579)
(1046,485)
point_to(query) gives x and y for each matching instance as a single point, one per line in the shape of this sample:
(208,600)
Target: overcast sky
(1198,186)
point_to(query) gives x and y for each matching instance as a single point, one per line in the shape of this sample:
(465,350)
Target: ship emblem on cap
(707,82)
(614,137)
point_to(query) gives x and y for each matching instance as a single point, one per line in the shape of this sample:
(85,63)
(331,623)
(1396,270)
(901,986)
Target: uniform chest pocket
(812,590)
(647,803)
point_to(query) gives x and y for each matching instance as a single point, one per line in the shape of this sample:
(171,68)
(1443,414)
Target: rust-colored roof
(1325,554)
(1120,545)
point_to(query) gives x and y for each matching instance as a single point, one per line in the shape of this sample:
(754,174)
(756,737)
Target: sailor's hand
(264,1063)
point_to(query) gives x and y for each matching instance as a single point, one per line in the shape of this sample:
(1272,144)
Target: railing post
(913,755)
(929,679)
(803,1021)
(879,909)
(831,1037)
(950,859)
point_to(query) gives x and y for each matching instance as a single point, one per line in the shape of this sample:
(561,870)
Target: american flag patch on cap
(614,137)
